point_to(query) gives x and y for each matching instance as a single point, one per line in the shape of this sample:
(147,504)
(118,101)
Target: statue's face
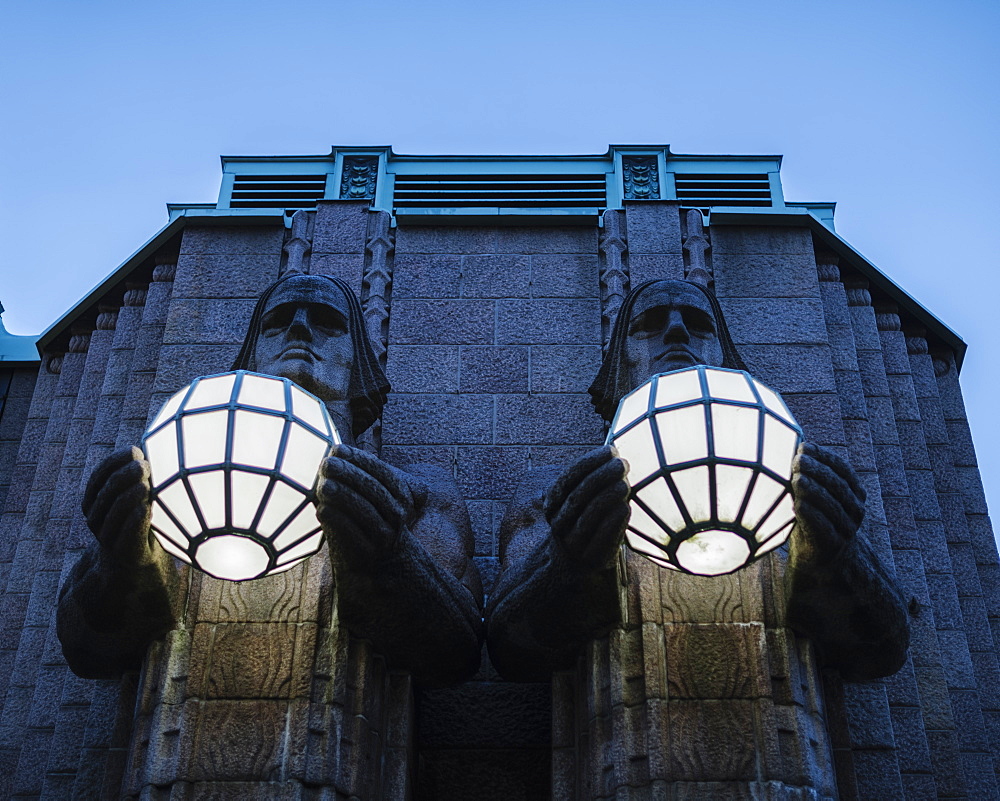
(672,327)
(305,336)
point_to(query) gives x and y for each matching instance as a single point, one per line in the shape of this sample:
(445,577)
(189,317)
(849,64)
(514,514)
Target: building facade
(489,286)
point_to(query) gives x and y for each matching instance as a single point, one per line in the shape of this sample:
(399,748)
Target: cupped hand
(363,505)
(829,501)
(117,506)
(587,507)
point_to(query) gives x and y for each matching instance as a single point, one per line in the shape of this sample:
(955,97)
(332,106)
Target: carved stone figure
(560,540)
(400,541)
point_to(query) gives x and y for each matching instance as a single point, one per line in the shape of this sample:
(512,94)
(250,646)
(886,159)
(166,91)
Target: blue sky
(111,109)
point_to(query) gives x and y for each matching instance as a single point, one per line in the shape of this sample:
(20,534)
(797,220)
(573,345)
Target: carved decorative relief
(642,178)
(614,274)
(378,276)
(359,177)
(696,248)
(298,248)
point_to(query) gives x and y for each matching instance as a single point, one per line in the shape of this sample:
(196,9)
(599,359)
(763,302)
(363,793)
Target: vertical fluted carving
(614,272)
(299,245)
(696,247)
(377,282)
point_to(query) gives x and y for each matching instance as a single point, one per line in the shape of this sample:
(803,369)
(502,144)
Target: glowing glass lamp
(234,460)
(710,463)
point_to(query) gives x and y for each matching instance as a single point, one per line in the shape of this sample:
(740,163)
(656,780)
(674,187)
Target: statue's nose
(299,326)
(675,329)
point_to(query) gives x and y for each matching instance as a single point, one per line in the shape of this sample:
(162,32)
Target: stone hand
(363,505)
(117,507)
(587,507)
(829,502)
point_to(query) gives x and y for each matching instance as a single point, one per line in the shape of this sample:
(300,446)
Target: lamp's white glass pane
(783,513)
(281,504)
(682,433)
(230,557)
(773,401)
(305,548)
(644,546)
(169,408)
(161,453)
(765,492)
(660,501)
(268,393)
(776,541)
(304,523)
(729,386)
(735,431)
(211,392)
(308,409)
(642,522)
(780,444)
(210,494)
(730,488)
(247,492)
(170,548)
(256,438)
(692,484)
(204,438)
(633,406)
(684,385)
(175,498)
(303,455)
(712,553)
(289,566)
(165,527)
(636,447)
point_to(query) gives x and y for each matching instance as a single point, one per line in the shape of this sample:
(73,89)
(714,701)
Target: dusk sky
(112,109)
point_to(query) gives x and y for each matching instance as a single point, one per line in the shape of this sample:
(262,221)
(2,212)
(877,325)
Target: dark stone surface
(494,369)
(482,714)
(548,321)
(426,276)
(484,774)
(495,276)
(431,322)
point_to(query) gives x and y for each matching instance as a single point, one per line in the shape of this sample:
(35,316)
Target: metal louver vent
(499,191)
(277,191)
(703,190)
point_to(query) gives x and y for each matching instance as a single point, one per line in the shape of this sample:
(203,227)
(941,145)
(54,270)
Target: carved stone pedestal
(701,694)
(262,695)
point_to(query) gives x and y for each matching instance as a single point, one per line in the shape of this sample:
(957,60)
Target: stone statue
(561,537)
(400,541)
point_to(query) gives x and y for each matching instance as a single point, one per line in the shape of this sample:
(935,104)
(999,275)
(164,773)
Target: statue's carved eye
(649,323)
(327,320)
(699,322)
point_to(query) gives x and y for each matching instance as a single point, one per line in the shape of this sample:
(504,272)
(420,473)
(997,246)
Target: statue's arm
(559,582)
(121,594)
(839,593)
(401,545)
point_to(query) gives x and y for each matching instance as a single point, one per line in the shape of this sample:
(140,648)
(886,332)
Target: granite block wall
(491,336)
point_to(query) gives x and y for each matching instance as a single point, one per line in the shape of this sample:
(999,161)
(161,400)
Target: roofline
(612,149)
(117,277)
(833,241)
(717,216)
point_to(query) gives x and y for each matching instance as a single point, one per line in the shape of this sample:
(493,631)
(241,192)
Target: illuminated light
(710,454)
(234,459)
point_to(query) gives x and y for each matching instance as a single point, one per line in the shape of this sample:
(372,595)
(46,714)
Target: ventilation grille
(499,191)
(703,190)
(277,191)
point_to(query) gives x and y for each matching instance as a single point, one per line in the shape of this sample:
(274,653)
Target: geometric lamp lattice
(710,455)
(234,459)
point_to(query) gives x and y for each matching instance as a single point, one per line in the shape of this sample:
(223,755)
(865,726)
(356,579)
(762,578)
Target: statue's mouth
(680,354)
(298,352)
